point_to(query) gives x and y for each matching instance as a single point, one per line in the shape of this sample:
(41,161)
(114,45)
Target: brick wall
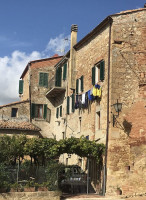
(126,160)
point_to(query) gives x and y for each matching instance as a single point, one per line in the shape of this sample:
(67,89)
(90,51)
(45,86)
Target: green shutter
(45,80)
(102,70)
(93,75)
(41,79)
(56,77)
(20,86)
(32,110)
(77,86)
(68,105)
(57,112)
(82,83)
(45,111)
(73,102)
(60,111)
(59,76)
(64,71)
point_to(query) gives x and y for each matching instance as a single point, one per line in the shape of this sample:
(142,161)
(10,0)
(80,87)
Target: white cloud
(59,44)
(12,67)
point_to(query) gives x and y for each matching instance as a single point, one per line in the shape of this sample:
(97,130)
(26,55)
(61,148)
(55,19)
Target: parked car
(73,179)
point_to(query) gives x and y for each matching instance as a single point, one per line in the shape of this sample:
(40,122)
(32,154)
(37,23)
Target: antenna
(63,49)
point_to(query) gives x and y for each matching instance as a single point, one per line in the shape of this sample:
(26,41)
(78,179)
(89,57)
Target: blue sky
(35,29)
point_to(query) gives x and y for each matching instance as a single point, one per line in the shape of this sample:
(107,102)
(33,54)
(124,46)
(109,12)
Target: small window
(80,85)
(98,72)
(98,120)
(59,112)
(14,112)
(43,79)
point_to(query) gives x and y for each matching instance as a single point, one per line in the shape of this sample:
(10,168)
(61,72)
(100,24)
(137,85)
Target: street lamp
(118,108)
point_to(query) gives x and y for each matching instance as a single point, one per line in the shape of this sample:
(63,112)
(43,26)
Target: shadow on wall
(127,127)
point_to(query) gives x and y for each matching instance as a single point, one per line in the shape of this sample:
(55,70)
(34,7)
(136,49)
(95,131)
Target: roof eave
(98,28)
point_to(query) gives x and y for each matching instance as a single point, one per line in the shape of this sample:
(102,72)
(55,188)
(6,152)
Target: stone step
(92,198)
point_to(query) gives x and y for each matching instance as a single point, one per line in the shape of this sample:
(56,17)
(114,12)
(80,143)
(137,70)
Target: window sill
(39,119)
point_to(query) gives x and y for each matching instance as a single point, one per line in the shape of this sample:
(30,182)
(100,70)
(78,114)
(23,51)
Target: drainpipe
(29,91)
(107,129)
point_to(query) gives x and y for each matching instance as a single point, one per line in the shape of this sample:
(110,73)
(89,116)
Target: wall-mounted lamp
(118,108)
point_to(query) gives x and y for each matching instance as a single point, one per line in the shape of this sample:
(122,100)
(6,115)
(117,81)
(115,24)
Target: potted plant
(14,187)
(29,187)
(43,187)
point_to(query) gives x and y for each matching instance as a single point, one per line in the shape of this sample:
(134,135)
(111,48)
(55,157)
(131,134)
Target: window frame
(16,112)
(98,72)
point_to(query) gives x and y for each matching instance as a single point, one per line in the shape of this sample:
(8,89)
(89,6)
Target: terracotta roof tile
(18,125)
(13,103)
(129,11)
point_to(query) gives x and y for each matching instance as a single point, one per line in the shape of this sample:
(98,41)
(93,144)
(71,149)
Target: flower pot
(29,189)
(42,189)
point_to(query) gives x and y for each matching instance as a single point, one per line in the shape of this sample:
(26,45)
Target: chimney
(72,65)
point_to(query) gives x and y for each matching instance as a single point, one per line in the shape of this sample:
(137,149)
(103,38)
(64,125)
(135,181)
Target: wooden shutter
(41,79)
(82,83)
(32,110)
(68,105)
(45,111)
(64,71)
(102,70)
(57,112)
(48,118)
(73,102)
(56,77)
(93,75)
(59,76)
(60,111)
(20,86)
(77,86)
(45,80)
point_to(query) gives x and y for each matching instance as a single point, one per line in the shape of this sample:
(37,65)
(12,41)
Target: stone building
(98,90)
(31,115)
(112,58)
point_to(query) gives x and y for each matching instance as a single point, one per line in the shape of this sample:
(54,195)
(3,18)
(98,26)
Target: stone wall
(50,195)
(23,113)
(126,160)
(38,94)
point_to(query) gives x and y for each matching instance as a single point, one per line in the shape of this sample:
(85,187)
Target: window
(71,104)
(80,85)
(43,79)
(39,111)
(59,112)
(98,120)
(14,112)
(98,72)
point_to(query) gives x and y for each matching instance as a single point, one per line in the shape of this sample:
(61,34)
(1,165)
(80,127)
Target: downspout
(29,91)
(108,96)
